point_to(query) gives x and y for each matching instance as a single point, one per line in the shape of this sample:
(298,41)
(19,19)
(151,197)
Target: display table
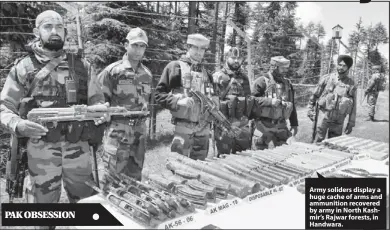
(283,210)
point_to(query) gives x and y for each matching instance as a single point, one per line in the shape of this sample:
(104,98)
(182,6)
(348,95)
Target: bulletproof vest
(233,104)
(65,86)
(196,80)
(337,96)
(278,90)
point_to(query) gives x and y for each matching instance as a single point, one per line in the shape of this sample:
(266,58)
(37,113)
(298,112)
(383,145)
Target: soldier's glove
(102,108)
(348,129)
(187,102)
(276,102)
(30,129)
(311,113)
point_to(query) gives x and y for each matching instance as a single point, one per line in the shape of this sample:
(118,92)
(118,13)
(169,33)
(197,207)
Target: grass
(158,147)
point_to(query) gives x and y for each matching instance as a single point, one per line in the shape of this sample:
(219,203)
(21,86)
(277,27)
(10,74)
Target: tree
(356,38)
(275,32)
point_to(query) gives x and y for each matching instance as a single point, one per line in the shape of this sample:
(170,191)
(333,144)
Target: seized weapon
(222,187)
(215,115)
(81,113)
(314,127)
(126,207)
(197,198)
(154,193)
(215,170)
(17,164)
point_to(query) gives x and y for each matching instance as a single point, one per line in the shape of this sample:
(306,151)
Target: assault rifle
(16,168)
(46,116)
(216,116)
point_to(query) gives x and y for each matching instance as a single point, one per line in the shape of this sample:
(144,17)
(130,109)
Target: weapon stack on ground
(239,175)
(144,203)
(376,150)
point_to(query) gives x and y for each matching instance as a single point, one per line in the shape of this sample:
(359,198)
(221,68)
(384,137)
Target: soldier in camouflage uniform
(274,104)
(57,153)
(375,84)
(190,139)
(125,83)
(233,88)
(336,98)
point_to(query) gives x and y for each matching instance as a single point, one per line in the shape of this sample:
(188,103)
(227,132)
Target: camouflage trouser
(50,163)
(123,150)
(277,133)
(371,101)
(227,145)
(189,142)
(334,126)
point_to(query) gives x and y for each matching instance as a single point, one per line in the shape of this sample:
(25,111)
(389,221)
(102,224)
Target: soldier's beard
(233,67)
(54,43)
(341,72)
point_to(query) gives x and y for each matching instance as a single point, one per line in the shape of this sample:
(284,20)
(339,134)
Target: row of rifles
(190,184)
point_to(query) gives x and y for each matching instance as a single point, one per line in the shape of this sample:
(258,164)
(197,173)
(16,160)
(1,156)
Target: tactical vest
(50,93)
(197,81)
(281,91)
(233,103)
(337,97)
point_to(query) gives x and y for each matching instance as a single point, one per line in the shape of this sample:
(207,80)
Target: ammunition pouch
(75,131)
(244,140)
(184,112)
(345,105)
(233,107)
(271,112)
(339,104)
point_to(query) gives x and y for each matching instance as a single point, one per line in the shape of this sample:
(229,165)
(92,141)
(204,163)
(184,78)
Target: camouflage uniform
(374,86)
(190,138)
(337,99)
(124,140)
(64,152)
(270,120)
(234,107)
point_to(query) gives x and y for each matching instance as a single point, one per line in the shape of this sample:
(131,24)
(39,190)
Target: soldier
(233,88)
(50,77)
(125,83)
(274,103)
(190,138)
(375,85)
(336,98)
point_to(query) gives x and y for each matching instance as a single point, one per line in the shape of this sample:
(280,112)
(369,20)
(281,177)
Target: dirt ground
(159,149)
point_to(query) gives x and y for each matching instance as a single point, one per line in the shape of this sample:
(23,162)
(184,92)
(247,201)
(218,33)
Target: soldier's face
(196,52)
(234,63)
(52,35)
(342,67)
(136,51)
(282,70)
